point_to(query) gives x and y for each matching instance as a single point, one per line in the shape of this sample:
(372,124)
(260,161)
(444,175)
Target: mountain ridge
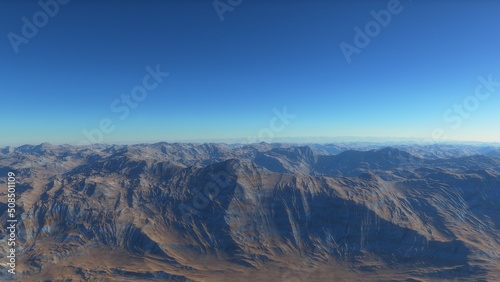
(193,212)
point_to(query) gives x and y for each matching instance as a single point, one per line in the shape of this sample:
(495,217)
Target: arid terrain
(260,212)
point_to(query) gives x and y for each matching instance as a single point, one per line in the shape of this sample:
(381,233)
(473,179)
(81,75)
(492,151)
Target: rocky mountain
(259,212)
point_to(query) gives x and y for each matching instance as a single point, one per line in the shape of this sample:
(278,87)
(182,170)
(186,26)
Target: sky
(81,72)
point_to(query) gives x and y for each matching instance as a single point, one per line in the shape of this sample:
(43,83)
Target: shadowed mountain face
(262,212)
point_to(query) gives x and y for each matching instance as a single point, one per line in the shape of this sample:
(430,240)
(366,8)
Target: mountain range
(253,212)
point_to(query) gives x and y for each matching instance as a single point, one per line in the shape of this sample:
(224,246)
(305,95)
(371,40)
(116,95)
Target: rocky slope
(270,212)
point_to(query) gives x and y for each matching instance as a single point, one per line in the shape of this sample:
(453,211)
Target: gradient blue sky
(226,77)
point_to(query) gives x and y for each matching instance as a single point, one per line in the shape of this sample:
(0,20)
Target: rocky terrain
(260,212)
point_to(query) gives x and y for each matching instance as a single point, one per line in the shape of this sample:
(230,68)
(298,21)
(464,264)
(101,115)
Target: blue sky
(227,77)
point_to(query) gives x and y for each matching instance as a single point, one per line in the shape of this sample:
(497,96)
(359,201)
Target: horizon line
(281,140)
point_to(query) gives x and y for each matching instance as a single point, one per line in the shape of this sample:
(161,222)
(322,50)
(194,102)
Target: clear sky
(415,77)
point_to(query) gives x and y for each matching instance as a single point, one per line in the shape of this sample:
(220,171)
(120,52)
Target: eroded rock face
(272,212)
